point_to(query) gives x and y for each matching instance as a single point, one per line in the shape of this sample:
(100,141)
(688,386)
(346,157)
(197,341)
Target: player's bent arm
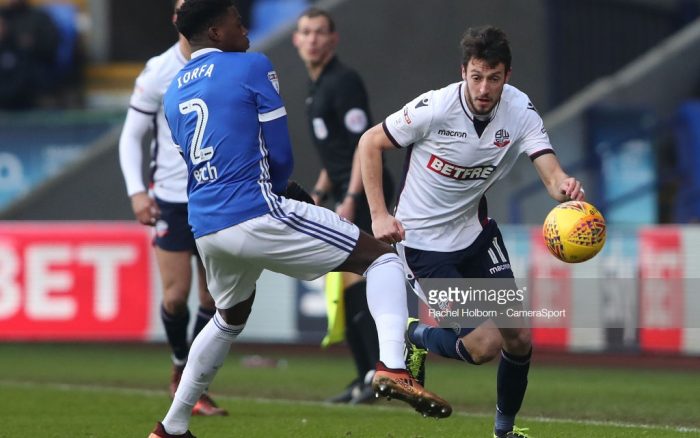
(137,127)
(276,135)
(372,144)
(560,186)
(354,194)
(355,186)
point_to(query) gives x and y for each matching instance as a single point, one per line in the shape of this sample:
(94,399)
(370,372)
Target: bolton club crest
(502,138)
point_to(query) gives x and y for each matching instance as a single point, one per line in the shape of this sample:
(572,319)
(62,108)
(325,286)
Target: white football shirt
(168,169)
(450,167)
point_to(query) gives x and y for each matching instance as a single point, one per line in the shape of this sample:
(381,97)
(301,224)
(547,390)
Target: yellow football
(574,231)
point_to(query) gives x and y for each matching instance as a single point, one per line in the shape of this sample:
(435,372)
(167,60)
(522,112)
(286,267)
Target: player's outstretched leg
(399,384)
(386,299)
(470,345)
(442,341)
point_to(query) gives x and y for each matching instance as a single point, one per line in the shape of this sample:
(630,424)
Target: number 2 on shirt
(198,154)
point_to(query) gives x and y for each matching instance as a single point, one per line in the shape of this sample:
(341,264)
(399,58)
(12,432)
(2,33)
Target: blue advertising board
(621,139)
(33,149)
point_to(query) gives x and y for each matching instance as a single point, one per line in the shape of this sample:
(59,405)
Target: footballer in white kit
(461,139)
(451,165)
(168,169)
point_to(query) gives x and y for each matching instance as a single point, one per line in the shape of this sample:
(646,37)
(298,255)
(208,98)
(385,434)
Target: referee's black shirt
(337,90)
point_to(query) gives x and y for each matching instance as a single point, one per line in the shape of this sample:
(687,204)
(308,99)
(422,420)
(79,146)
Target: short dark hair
(196,16)
(488,43)
(314,12)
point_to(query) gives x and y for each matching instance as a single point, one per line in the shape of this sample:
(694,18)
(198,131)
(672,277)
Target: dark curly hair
(488,43)
(196,16)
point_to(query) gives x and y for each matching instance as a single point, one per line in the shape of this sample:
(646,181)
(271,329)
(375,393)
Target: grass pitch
(107,391)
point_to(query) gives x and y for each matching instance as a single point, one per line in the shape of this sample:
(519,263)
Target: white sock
(207,354)
(386,299)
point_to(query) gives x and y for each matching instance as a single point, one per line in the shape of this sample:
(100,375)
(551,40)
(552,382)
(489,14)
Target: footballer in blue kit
(227,118)
(233,178)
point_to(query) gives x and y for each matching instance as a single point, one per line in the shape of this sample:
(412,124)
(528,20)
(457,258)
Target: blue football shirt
(229,121)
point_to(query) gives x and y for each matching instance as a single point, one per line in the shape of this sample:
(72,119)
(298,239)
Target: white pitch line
(160,393)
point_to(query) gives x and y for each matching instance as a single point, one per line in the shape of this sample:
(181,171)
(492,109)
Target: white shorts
(302,240)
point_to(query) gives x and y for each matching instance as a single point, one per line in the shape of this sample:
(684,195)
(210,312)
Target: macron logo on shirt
(450,170)
(451,133)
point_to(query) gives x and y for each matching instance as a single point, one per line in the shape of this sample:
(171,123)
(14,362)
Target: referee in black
(338,114)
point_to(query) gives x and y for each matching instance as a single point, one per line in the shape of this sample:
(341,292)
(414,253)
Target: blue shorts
(172,230)
(487,257)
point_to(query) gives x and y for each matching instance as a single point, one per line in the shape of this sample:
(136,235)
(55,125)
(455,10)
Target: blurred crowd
(31,73)
(42,58)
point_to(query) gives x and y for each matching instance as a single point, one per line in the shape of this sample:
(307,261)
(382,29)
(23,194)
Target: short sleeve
(535,140)
(264,84)
(411,123)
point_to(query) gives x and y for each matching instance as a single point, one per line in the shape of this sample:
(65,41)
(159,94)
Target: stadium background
(615,80)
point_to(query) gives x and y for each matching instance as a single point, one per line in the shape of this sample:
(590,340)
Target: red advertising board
(74,281)
(550,285)
(661,289)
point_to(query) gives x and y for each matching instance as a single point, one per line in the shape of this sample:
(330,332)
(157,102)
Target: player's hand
(572,189)
(346,209)
(388,229)
(145,208)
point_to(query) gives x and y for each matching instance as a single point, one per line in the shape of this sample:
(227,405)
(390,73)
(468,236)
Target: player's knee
(486,349)
(238,314)
(174,305)
(176,293)
(367,251)
(486,354)
(524,338)
(480,359)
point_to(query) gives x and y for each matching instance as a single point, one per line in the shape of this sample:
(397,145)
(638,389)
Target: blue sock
(176,332)
(442,341)
(504,423)
(510,387)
